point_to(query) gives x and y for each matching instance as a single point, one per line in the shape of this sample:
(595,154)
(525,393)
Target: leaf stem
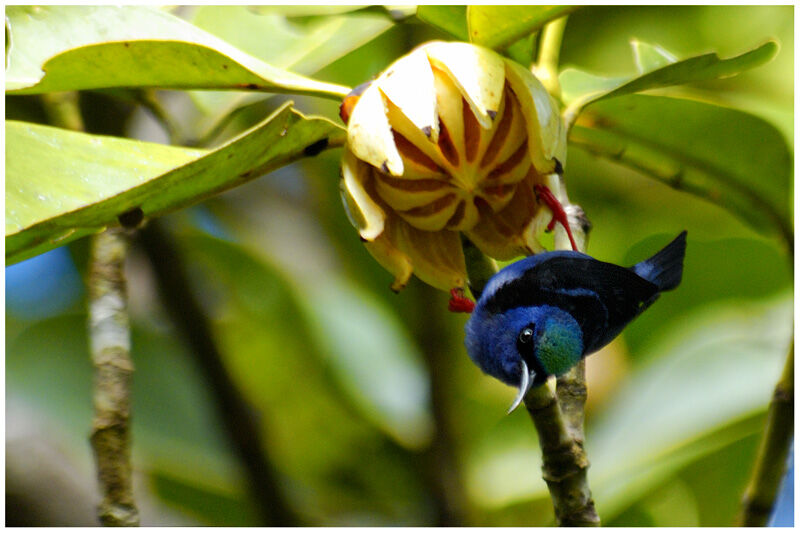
(109,338)
(147,98)
(546,68)
(770,464)
(62,110)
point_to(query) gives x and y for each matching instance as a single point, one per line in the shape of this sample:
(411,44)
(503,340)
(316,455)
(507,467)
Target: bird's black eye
(526,335)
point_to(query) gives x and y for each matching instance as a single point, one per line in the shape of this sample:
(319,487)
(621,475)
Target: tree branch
(770,464)
(564,462)
(109,338)
(109,345)
(237,416)
(439,463)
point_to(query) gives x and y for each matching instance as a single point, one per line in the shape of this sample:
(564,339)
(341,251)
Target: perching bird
(541,315)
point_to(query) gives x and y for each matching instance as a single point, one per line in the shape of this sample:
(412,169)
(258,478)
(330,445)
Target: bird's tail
(665,268)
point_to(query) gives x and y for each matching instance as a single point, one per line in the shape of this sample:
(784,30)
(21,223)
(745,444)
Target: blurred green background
(372,413)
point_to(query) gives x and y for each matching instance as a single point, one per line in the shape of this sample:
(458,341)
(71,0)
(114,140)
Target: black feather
(665,268)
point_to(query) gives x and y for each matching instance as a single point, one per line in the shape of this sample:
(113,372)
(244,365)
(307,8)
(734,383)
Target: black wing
(602,297)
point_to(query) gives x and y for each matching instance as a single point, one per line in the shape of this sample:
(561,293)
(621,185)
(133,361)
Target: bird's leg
(559,215)
(459,303)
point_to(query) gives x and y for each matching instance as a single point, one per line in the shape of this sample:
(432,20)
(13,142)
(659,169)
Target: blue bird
(541,315)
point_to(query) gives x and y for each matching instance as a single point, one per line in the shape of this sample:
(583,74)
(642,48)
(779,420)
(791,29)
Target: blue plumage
(539,316)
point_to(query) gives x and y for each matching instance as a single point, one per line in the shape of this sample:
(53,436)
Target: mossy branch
(564,461)
(770,465)
(109,345)
(109,337)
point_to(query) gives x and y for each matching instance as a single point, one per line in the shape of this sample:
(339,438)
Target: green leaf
(360,342)
(373,357)
(715,373)
(725,156)
(61,185)
(650,56)
(64,48)
(303,48)
(581,88)
(499,26)
(304,10)
(210,503)
(450,18)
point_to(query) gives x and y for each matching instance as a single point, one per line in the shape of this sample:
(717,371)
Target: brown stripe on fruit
(500,135)
(498,190)
(472,131)
(446,145)
(458,216)
(431,208)
(510,163)
(410,151)
(413,185)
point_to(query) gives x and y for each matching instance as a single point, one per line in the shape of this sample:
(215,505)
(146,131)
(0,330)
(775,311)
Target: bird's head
(523,346)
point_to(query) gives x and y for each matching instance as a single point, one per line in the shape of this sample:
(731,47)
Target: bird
(538,317)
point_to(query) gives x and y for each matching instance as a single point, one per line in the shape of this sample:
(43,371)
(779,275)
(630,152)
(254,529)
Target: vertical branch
(237,416)
(109,345)
(770,464)
(441,469)
(564,462)
(109,337)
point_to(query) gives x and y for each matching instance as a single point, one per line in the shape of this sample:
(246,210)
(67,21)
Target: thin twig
(109,337)
(237,416)
(109,340)
(770,465)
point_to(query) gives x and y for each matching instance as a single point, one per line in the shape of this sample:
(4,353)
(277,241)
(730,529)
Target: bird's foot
(459,303)
(559,215)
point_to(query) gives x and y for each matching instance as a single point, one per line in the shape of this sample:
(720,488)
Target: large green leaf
(705,387)
(657,68)
(373,357)
(449,18)
(64,48)
(61,185)
(331,325)
(499,26)
(303,48)
(725,156)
